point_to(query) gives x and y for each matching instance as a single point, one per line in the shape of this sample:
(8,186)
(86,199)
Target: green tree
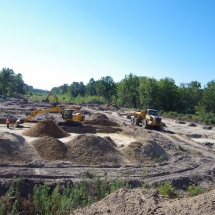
(127,91)
(106,87)
(91,87)
(148,91)
(209,97)
(190,94)
(167,94)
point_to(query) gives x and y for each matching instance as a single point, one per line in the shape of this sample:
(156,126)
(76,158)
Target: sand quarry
(41,151)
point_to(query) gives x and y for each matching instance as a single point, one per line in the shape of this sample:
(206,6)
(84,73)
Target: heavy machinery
(148,118)
(68,116)
(24,99)
(31,115)
(55,97)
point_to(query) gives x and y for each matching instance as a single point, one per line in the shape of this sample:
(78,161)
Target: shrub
(195,190)
(167,189)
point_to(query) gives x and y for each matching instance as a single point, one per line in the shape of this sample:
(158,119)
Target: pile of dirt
(14,148)
(111,107)
(111,141)
(100,119)
(91,149)
(44,128)
(140,152)
(100,108)
(74,107)
(50,148)
(141,201)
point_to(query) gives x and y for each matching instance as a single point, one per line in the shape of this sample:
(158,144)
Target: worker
(8,122)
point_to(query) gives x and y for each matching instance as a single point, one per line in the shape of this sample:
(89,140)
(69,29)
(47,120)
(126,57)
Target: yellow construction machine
(148,118)
(69,118)
(55,97)
(24,99)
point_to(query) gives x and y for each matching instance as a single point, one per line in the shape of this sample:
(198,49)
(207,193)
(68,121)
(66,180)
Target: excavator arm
(51,94)
(34,113)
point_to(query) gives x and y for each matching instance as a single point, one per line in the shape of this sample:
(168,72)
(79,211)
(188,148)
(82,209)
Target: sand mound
(44,128)
(143,152)
(14,148)
(91,149)
(111,107)
(110,140)
(141,201)
(100,119)
(50,148)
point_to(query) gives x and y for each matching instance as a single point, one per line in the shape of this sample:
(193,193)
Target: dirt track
(190,150)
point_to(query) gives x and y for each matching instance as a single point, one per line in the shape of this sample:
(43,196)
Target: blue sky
(53,42)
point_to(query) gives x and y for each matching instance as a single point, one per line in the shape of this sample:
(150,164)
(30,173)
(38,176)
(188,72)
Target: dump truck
(148,118)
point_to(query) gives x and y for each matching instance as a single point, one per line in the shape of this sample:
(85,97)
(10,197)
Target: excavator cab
(67,114)
(71,119)
(152,112)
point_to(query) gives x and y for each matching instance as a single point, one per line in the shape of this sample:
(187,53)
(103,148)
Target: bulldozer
(147,118)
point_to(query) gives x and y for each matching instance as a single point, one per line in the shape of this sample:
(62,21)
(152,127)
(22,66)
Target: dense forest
(133,92)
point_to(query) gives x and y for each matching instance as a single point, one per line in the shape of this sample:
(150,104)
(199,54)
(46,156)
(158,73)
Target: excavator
(69,118)
(55,97)
(24,99)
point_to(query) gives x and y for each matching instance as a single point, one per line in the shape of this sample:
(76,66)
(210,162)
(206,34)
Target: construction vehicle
(31,115)
(55,97)
(24,99)
(148,118)
(68,116)
(71,119)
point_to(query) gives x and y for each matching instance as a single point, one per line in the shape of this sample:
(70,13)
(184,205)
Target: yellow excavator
(69,118)
(24,99)
(55,97)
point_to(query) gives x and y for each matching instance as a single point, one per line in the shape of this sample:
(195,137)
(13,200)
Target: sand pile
(100,119)
(91,149)
(110,140)
(50,148)
(111,107)
(44,128)
(14,148)
(141,201)
(140,152)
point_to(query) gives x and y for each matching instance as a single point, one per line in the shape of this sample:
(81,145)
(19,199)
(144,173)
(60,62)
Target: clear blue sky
(53,42)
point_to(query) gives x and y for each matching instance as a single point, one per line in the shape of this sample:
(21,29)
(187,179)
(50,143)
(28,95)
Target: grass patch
(167,189)
(195,190)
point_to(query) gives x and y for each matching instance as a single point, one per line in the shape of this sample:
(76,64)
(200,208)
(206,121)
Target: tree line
(143,92)
(133,91)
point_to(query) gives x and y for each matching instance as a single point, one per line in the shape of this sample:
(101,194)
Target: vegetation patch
(59,201)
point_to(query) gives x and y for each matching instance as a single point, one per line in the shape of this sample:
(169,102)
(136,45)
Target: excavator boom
(51,94)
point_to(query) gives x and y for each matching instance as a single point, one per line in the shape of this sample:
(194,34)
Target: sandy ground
(191,162)
(119,139)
